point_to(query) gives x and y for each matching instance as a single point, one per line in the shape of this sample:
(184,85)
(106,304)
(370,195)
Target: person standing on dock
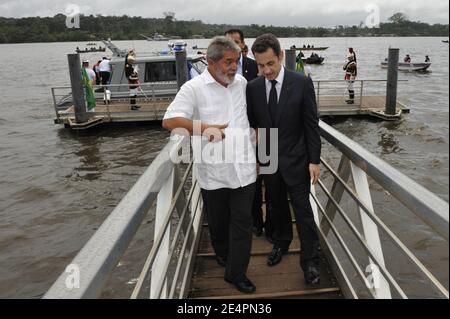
(247,67)
(351,71)
(105,70)
(212,108)
(245,51)
(283,102)
(133,80)
(88,77)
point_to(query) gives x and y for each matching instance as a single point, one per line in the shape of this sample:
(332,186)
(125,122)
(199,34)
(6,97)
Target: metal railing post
(337,190)
(371,234)
(163,204)
(361,94)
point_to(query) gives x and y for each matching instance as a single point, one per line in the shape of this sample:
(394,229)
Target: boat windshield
(199,65)
(160,71)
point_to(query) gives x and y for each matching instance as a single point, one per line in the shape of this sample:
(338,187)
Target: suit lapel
(284,96)
(244,67)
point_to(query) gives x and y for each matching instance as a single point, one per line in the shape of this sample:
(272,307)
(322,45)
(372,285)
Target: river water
(56,187)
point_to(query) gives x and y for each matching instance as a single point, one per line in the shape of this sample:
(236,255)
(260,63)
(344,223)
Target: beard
(225,78)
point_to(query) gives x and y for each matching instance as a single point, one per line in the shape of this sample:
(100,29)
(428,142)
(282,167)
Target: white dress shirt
(104,66)
(204,99)
(240,65)
(278,86)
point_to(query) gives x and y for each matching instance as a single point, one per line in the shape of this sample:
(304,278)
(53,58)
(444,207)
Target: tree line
(53,29)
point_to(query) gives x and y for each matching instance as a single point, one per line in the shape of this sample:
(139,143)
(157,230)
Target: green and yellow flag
(299,67)
(89,91)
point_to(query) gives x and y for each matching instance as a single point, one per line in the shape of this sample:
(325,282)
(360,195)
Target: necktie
(273,101)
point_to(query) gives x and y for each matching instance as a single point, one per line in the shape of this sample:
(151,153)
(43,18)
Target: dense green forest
(53,29)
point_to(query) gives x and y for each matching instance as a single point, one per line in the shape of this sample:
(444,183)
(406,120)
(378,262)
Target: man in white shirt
(212,107)
(105,70)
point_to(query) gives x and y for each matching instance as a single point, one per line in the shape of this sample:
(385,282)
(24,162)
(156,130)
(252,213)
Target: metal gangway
(178,223)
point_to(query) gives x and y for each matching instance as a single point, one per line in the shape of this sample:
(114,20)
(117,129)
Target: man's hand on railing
(214,133)
(314,172)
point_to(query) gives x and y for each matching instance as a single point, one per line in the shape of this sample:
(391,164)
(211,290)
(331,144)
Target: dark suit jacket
(249,69)
(297,122)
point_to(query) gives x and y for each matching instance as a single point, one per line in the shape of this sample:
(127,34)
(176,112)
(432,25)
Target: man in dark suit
(248,68)
(283,102)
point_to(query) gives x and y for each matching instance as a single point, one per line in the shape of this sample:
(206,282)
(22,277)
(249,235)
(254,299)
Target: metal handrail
(403,249)
(429,207)
(157,243)
(344,246)
(425,204)
(361,240)
(159,286)
(99,257)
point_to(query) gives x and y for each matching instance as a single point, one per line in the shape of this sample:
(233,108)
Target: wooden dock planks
(284,280)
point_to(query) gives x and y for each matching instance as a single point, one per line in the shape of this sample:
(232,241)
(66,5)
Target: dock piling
(181,68)
(290,59)
(391,86)
(76,83)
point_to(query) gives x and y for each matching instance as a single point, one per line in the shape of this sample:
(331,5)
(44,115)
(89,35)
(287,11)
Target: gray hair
(218,46)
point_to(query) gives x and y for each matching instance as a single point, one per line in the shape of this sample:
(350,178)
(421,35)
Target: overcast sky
(326,13)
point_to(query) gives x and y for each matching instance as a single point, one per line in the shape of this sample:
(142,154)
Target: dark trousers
(228,212)
(257,213)
(105,77)
(351,94)
(134,96)
(282,220)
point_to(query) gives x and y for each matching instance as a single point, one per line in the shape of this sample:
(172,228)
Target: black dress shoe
(275,256)
(222,260)
(257,231)
(245,286)
(312,275)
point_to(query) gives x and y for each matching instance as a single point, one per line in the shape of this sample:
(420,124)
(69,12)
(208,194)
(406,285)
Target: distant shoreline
(139,39)
(93,28)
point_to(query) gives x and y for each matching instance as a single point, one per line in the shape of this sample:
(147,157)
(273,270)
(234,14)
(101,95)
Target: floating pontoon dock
(153,98)
(117,109)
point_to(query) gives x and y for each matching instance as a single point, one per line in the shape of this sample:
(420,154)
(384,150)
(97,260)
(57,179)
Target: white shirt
(278,86)
(104,66)
(90,73)
(240,65)
(204,99)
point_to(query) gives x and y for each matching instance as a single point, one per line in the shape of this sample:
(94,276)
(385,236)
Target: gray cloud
(327,13)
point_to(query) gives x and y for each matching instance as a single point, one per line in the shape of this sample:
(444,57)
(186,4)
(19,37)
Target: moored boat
(409,66)
(311,48)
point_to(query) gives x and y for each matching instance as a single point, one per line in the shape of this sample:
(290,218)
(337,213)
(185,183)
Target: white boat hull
(402,66)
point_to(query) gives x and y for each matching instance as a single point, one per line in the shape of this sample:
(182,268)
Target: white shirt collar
(209,79)
(279,78)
